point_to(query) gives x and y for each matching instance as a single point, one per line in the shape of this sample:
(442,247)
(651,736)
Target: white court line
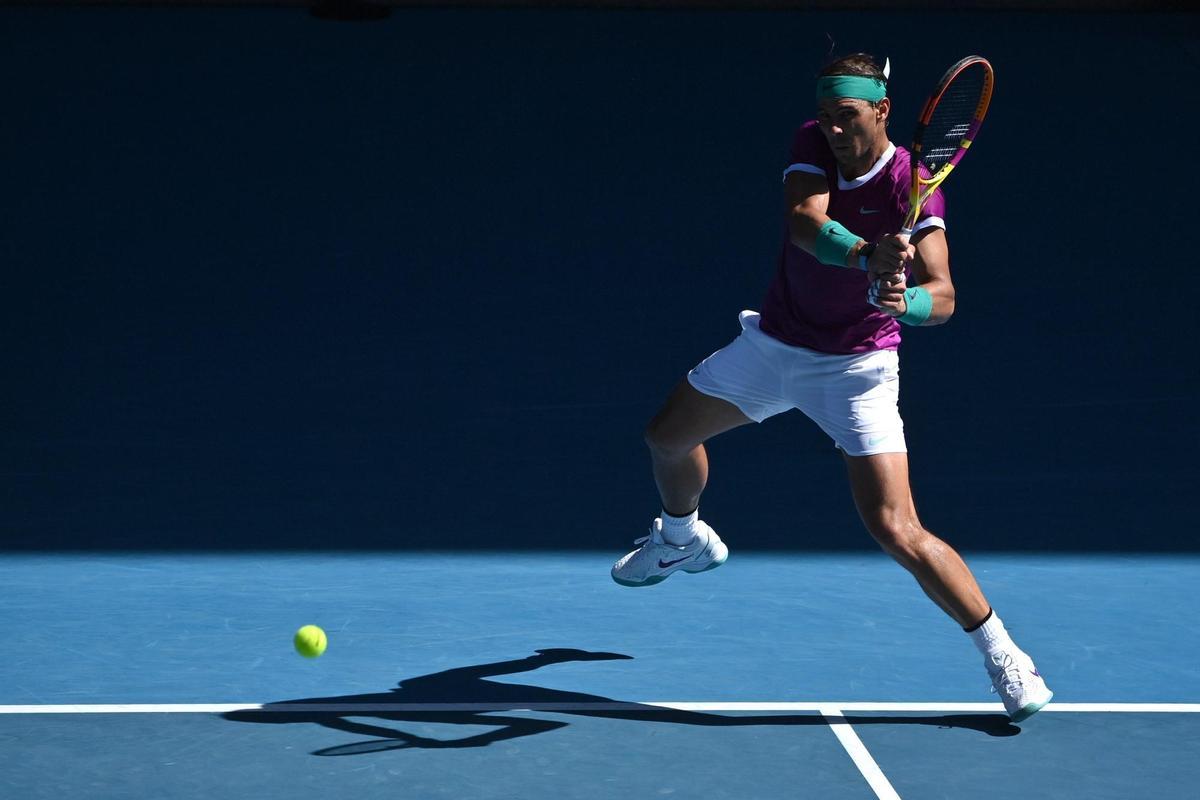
(859,754)
(364,708)
(833,714)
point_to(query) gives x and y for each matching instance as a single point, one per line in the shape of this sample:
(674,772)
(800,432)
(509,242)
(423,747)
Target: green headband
(854,86)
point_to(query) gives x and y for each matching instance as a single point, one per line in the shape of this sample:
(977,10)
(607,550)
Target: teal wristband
(834,244)
(919,305)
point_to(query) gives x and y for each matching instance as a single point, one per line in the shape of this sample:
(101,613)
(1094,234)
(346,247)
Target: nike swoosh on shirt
(862,210)
(664,564)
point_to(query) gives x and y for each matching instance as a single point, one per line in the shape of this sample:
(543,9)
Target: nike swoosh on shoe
(664,564)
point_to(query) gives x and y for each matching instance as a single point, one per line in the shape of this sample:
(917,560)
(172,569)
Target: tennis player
(826,343)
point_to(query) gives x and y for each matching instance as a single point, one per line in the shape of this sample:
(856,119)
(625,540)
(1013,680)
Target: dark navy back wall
(272,281)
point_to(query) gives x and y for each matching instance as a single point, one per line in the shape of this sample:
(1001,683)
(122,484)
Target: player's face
(853,128)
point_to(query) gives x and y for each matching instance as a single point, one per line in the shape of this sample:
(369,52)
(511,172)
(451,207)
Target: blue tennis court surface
(506,675)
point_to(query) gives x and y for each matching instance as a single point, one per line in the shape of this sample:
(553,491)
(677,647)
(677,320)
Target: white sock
(679,531)
(990,636)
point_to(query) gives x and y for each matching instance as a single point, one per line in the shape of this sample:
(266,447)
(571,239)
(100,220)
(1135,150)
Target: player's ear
(883,109)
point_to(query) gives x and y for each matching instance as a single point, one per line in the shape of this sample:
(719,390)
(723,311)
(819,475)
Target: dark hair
(854,64)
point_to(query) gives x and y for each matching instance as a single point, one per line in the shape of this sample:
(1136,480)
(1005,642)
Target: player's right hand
(892,255)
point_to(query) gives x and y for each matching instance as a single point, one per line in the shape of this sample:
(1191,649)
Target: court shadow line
(468,686)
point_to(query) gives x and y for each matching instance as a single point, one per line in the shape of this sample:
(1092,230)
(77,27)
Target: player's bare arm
(808,204)
(930,270)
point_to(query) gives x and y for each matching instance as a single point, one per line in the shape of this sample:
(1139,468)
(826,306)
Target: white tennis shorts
(852,397)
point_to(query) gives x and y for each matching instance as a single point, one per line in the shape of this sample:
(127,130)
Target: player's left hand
(887,293)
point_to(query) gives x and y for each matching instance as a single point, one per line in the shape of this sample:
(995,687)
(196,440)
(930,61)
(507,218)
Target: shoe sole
(1029,710)
(653,579)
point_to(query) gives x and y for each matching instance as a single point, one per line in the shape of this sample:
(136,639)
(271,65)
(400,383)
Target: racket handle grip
(905,234)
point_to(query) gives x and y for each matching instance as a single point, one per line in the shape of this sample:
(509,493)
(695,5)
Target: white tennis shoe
(654,559)
(1019,684)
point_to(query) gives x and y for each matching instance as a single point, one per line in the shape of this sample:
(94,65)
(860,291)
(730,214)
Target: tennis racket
(947,126)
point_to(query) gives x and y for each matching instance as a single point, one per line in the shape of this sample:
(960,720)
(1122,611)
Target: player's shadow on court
(468,686)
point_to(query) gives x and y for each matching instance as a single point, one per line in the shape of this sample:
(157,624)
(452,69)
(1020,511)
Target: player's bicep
(932,264)
(806,192)
(807,206)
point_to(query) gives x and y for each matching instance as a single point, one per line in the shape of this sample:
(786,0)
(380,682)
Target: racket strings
(952,119)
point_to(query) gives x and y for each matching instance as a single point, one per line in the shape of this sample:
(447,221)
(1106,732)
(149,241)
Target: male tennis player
(826,343)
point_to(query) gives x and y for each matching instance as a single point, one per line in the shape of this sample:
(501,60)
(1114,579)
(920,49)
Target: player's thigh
(882,494)
(691,417)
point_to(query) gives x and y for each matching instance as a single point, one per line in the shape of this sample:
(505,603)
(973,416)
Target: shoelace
(664,543)
(1009,675)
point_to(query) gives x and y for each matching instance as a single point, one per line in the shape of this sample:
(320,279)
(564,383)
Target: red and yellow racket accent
(946,128)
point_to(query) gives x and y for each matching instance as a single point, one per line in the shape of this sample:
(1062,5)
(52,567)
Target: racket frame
(922,188)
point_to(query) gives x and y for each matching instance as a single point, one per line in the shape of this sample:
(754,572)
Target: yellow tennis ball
(310,641)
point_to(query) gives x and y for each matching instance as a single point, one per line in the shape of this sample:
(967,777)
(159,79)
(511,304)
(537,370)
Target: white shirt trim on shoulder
(844,184)
(930,222)
(809,168)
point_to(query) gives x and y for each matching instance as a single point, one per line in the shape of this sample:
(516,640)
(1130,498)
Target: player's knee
(663,443)
(900,535)
(667,440)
